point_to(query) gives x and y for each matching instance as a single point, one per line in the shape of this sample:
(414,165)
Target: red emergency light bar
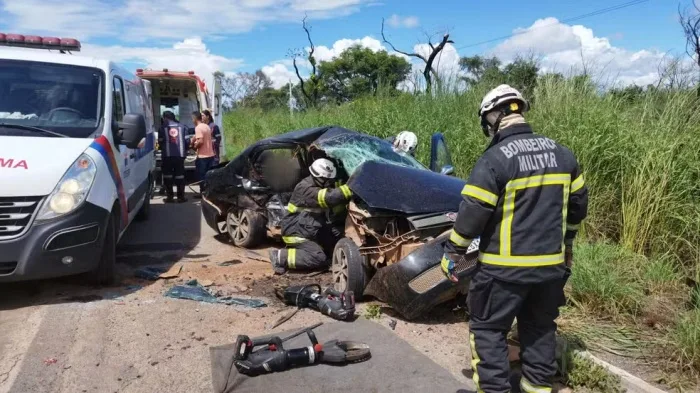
(37,42)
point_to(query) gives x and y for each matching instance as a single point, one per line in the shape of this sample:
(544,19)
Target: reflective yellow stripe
(460,241)
(571,227)
(475,362)
(339,209)
(480,194)
(515,185)
(577,184)
(292,258)
(540,180)
(293,239)
(527,387)
(521,261)
(295,209)
(322,197)
(346,191)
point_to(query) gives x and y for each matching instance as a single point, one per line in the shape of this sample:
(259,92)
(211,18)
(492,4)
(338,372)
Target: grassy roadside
(640,246)
(637,308)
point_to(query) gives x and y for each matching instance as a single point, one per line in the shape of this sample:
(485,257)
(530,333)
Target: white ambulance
(76,159)
(183,93)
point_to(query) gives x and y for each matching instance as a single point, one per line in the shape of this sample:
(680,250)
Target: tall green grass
(641,159)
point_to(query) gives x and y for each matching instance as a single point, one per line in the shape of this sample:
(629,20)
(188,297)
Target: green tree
(267,99)
(360,71)
(481,69)
(522,73)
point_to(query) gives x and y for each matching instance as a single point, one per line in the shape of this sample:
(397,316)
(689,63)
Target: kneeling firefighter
(308,229)
(525,198)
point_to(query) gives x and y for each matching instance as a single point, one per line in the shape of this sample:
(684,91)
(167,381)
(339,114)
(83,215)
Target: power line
(572,19)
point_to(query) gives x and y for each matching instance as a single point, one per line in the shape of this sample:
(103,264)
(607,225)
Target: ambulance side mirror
(132,130)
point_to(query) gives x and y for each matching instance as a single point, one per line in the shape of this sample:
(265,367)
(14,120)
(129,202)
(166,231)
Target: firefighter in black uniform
(174,150)
(525,198)
(310,229)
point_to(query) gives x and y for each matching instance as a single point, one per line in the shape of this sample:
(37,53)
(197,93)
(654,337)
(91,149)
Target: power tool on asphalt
(335,304)
(273,357)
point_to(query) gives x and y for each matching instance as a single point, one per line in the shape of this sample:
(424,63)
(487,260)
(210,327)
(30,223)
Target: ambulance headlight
(71,191)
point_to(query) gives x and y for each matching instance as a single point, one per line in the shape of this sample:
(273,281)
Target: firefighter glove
(448,268)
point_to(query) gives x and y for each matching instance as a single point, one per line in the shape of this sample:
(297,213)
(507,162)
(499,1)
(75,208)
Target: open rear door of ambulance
(219,116)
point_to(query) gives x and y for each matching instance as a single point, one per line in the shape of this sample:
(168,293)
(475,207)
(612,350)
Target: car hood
(406,190)
(31,166)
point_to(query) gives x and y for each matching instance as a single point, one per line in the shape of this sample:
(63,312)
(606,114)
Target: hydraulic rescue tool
(337,305)
(273,357)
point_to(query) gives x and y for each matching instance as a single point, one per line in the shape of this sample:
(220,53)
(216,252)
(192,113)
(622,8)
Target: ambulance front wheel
(105,273)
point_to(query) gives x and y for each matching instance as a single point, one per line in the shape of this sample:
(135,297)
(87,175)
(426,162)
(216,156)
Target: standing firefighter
(174,150)
(526,199)
(308,230)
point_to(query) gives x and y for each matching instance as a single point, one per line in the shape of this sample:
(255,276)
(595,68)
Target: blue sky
(245,35)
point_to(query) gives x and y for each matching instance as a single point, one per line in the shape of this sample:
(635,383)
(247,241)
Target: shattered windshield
(355,149)
(63,99)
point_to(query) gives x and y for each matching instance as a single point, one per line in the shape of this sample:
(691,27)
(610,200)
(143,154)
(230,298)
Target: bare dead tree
(435,50)
(690,21)
(310,90)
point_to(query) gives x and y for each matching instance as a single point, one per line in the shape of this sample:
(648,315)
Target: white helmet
(406,141)
(500,95)
(323,168)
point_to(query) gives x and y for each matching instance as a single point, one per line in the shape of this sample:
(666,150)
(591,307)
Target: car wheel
(349,268)
(104,274)
(245,227)
(145,210)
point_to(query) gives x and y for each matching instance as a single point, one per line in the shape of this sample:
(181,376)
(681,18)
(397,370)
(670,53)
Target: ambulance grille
(432,277)
(16,214)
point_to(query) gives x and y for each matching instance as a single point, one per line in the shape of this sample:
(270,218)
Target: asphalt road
(65,336)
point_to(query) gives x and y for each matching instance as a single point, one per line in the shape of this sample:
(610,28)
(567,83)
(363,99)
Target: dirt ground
(64,336)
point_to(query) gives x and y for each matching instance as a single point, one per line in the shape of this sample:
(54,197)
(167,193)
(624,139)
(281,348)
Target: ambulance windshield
(63,99)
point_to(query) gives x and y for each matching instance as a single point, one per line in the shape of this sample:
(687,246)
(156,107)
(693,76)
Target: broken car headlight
(71,191)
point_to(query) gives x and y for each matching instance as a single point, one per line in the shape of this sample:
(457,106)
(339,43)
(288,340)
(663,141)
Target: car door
(440,159)
(119,109)
(140,159)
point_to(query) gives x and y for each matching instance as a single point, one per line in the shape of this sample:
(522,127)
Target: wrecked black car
(396,224)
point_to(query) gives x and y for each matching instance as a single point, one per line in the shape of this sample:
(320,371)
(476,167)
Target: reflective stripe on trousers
(475,362)
(292,258)
(527,387)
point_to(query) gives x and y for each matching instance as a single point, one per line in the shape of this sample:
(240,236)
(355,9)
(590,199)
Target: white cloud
(77,18)
(281,71)
(279,74)
(565,47)
(446,63)
(189,54)
(324,53)
(408,22)
(140,20)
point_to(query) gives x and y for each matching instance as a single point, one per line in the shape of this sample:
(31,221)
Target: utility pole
(291,108)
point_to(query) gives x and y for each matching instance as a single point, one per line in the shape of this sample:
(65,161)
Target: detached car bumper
(416,284)
(212,215)
(44,251)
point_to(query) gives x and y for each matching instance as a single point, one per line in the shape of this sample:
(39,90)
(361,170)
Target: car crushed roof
(407,190)
(387,185)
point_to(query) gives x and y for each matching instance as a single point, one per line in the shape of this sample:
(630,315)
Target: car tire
(105,272)
(145,211)
(349,268)
(245,227)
